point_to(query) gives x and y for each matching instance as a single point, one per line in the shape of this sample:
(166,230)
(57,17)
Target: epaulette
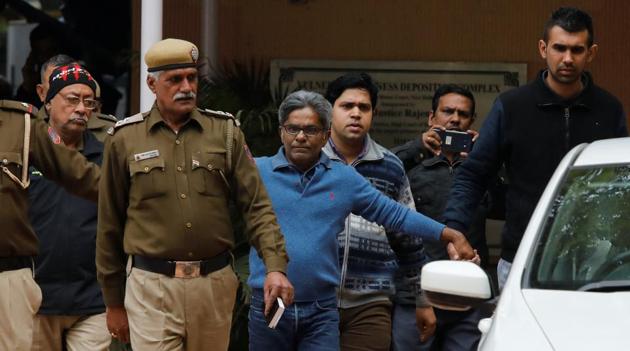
(100,122)
(220,114)
(138,117)
(18,106)
(105,117)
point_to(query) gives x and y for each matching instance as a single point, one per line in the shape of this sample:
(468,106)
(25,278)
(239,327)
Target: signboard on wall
(406,88)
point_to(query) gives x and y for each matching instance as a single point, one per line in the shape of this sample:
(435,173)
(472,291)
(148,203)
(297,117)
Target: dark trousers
(455,331)
(367,327)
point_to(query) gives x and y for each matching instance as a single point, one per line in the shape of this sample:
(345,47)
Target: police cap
(171,54)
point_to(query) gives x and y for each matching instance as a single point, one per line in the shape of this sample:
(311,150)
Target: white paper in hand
(275,313)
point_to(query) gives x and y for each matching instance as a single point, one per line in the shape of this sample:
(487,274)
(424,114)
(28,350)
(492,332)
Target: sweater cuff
(436,230)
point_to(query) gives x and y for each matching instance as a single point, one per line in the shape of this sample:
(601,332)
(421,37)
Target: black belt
(182,269)
(15,263)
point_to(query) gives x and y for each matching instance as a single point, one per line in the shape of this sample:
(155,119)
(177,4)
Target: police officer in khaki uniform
(23,142)
(98,123)
(167,177)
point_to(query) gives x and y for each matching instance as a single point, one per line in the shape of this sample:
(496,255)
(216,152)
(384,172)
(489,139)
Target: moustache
(75,118)
(184,96)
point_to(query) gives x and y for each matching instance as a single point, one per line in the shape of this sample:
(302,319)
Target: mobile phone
(454,140)
(274,315)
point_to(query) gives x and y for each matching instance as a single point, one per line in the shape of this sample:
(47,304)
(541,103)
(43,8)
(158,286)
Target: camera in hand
(454,140)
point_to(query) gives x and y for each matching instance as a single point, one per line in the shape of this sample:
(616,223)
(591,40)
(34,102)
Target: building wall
(397,30)
(420,30)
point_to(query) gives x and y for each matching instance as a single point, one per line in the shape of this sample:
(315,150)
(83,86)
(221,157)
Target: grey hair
(155,75)
(55,61)
(303,98)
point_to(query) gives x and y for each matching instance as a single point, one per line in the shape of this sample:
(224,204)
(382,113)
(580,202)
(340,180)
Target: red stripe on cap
(64,72)
(77,72)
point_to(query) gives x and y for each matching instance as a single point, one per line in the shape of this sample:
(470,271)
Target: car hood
(574,320)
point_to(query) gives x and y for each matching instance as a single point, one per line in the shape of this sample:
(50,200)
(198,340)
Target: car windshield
(585,243)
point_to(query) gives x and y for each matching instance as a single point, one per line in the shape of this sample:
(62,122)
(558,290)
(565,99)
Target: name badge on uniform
(146,155)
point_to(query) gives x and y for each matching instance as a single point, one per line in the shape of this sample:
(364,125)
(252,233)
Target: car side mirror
(455,285)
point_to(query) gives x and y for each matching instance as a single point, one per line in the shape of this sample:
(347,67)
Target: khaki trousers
(180,314)
(20,298)
(81,333)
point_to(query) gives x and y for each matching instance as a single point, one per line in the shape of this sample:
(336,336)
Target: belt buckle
(187,269)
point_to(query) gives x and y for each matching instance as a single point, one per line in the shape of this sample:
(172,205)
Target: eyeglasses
(90,104)
(308,130)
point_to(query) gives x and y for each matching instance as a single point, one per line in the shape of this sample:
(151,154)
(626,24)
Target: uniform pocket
(135,299)
(208,173)
(33,292)
(12,162)
(147,178)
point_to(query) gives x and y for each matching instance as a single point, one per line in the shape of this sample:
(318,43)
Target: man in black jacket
(430,176)
(72,313)
(531,128)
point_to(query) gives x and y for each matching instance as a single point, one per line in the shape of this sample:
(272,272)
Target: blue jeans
(405,336)
(304,326)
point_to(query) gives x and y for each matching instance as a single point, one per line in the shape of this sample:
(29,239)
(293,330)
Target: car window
(585,243)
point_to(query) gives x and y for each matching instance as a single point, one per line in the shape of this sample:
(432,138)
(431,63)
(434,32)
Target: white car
(569,287)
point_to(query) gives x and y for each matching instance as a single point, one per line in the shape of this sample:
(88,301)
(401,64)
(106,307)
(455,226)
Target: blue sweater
(312,207)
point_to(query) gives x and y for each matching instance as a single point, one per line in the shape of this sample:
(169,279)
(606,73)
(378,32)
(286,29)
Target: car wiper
(606,286)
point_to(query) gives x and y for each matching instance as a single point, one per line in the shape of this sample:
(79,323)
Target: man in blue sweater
(312,196)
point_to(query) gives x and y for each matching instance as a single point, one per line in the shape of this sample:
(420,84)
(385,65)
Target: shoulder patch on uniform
(220,114)
(138,117)
(18,106)
(108,118)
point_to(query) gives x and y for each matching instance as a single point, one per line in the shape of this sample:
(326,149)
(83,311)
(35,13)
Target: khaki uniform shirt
(98,123)
(60,164)
(165,195)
